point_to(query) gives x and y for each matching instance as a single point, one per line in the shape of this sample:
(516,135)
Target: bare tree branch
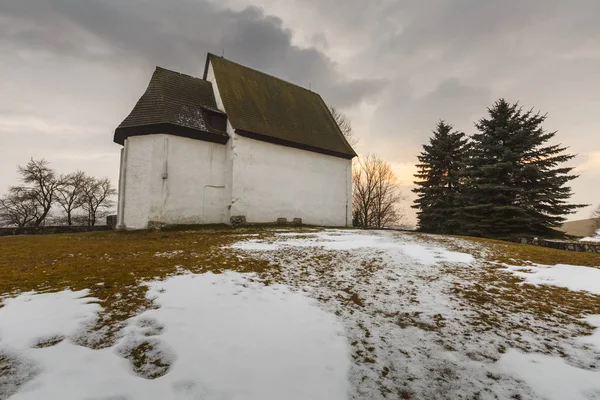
(96,195)
(18,208)
(344,124)
(70,193)
(42,185)
(596,218)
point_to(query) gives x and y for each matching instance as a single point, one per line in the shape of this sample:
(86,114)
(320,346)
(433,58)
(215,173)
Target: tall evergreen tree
(515,185)
(439,179)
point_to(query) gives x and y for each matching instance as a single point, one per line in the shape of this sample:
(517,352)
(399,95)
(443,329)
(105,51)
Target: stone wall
(42,230)
(563,245)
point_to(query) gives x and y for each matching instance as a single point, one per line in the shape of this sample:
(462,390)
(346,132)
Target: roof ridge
(162,104)
(178,73)
(263,73)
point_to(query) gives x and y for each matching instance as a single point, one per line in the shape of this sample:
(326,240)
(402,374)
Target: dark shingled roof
(177,104)
(267,108)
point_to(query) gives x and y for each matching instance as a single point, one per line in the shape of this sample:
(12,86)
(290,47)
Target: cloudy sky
(73,69)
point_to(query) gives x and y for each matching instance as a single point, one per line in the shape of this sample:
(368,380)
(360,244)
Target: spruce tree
(515,184)
(439,179)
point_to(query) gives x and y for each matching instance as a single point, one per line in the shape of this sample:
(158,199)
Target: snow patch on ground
(254,244)
(595,238)
(411,336)
(391,291)
(29,318)
(594,339)
(571,277)
(346,240)
(31,321)
(211,337)
(169,254)
(550,377)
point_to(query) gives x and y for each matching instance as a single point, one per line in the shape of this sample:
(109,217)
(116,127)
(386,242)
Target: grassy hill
(423,316)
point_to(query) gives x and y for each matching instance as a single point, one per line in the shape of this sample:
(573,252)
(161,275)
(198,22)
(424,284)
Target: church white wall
(173,180)
(210,77)
(272,181)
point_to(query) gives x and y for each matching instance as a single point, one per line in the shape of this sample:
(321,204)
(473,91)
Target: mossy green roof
(272,109)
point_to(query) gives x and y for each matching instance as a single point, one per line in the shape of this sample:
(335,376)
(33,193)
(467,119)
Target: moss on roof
(261,104)
(176,100)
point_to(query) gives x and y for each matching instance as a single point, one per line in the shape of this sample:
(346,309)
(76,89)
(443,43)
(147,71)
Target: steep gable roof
(267,108)
(175,103)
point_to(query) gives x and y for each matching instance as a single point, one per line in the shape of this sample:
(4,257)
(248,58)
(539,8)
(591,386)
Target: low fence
(42,230)
(563,245)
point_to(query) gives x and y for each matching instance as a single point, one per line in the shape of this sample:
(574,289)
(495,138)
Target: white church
(237,146)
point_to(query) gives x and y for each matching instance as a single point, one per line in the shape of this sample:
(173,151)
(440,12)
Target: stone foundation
(238,220)
(562,245)
(156,226)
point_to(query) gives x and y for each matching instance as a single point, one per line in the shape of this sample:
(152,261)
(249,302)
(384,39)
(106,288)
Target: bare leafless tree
(596,218)
(18,208)
(96,196)
(344,124)
(376,194)
(41,185)
(70,195)
(364,183)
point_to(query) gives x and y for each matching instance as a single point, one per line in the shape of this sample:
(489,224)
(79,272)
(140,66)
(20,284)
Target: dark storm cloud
(451,59)
(175,35)
(451,100)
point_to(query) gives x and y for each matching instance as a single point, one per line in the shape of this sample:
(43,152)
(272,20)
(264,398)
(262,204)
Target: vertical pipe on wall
(122,181)
(165,170)
(348,189)
(164,175)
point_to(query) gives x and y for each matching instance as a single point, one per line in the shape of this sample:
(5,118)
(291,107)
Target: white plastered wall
(173,180)
(273,181)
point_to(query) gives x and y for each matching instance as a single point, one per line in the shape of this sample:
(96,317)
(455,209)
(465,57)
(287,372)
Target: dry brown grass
(501,303)
(504,304)
(113,264)
(500,295)
(508,252)
(512,253)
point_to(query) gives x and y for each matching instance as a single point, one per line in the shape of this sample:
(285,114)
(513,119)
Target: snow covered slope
(340,314)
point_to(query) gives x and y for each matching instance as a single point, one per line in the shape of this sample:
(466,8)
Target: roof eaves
(288,143)
(215,136)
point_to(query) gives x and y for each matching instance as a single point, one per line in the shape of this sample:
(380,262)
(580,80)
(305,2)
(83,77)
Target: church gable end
(263,107)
